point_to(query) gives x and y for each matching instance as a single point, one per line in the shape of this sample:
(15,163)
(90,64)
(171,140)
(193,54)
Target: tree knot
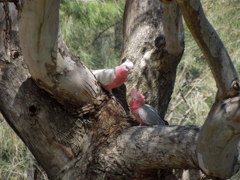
(235,85)
(33,110)
(160,42)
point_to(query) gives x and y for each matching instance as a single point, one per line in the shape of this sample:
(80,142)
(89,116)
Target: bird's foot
(112,96)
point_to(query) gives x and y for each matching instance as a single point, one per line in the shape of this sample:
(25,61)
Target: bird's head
(137,99)
(128,65)
(125,68)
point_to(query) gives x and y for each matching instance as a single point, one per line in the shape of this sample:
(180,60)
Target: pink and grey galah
(144,113)
(115,77)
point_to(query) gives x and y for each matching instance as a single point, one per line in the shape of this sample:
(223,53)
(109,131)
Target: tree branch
(211,46)
(140,149)
(54,69)
(217,145)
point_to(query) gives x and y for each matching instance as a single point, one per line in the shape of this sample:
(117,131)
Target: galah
(115,77)
(144,113)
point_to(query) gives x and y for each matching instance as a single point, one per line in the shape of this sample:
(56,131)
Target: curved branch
(211,46)
(217,145)
(49,61)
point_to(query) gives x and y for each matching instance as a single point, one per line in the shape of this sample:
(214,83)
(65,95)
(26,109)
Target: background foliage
(92,30)
(195,88)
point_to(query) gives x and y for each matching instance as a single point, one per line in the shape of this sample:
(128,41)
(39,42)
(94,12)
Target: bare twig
(103,31)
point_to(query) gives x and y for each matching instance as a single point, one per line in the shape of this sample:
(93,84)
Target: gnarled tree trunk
(154,40)
(75,131)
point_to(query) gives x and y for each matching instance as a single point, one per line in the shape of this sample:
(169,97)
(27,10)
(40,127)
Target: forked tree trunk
(75,131)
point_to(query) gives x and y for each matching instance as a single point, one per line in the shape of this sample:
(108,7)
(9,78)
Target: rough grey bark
(94,141)
(154,41)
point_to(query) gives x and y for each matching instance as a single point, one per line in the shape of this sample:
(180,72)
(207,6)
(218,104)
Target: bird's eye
(134,99)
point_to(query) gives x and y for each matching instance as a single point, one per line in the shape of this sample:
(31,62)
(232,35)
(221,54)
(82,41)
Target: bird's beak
(130,70)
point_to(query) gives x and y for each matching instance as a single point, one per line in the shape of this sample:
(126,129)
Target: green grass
(195,87)
(93,30)
(14,156)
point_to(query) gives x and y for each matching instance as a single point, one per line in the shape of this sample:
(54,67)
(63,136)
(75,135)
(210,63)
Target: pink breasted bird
(144,113)
(115,77)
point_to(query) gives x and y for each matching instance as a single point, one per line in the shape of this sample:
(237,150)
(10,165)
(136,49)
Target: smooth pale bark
(218,141)
(154,40)
(54,69)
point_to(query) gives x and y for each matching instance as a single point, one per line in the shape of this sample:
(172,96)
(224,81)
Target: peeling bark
(53,68)
(153,40)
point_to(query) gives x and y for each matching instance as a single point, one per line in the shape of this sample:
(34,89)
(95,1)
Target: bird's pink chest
(116,82)
(138,118)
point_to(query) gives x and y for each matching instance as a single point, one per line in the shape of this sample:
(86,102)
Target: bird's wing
(104,76)
(149,115)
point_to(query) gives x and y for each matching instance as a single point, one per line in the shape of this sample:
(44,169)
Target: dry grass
(14,156)
(195,87)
